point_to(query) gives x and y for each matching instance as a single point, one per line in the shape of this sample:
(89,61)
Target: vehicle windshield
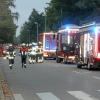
(68,48)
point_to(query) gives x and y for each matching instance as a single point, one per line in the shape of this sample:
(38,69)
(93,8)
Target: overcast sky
(24,8)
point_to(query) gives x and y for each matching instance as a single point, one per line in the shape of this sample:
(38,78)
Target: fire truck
(67,44)
(49,41)
(89,55)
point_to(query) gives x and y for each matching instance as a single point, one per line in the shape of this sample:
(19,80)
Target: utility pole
(61,15)
(45,21)
(37,29)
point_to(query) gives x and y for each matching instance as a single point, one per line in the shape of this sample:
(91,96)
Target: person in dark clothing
(23,51)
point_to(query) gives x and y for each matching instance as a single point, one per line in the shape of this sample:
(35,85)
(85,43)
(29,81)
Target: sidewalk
(5,92)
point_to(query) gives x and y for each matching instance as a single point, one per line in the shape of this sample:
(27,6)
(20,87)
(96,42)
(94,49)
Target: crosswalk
(80,95)
(77,95)
(47,96)
(81,72)
(18,97)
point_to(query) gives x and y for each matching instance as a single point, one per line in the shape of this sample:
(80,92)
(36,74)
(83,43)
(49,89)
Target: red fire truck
(67,44)
(89,55)
(49,40)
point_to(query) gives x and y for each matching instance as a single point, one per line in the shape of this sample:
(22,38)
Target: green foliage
(71,11)
(7,26)
(60,12)
(29,29)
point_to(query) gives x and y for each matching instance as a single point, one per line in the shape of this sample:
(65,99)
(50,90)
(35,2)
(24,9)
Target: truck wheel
(58,60)
(79,66)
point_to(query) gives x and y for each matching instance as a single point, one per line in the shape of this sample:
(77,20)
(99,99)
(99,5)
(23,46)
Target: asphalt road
(51,81)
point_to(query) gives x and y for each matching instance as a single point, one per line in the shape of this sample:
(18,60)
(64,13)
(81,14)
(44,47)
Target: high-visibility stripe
(96,77)
(47,96)
(81,95)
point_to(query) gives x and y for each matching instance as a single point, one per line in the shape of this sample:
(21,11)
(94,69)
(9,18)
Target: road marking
(81,95)
(18,97)
(77,72)
(81,72)
(47,96)
(86,72)
(98,90)
(96,77)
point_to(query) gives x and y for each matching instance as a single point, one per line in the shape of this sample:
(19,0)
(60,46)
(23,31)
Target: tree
(71,11)
(58,13)
(7,26)
(29,29)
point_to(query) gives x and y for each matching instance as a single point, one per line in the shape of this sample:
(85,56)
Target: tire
(58,60)
(79,66)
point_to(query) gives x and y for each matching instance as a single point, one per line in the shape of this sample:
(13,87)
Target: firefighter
(24,51)
(39,53)
(11,55)
(32,54)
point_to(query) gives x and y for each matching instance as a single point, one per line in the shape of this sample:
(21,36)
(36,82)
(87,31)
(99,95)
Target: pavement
(5,91)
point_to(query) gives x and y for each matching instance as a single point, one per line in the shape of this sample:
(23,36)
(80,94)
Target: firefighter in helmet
(39,56)
(32,54)
(24,51)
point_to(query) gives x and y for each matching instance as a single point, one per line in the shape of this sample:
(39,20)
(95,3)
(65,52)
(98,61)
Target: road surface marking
(47,96)
(98,90)
(81,95)
(86,72)
(18,97)
(81,72)
(77,72)
(96,77)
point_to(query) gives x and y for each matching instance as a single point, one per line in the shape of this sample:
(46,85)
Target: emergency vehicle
(49,41)
(67,45)
(89,55)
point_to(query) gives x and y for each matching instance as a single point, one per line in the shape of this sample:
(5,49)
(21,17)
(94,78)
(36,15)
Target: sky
(24,8)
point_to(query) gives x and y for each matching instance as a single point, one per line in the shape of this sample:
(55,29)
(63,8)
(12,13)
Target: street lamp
(37,29)
(45,20)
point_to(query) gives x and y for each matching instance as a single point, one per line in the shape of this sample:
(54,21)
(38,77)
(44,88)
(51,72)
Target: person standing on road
(40,53)
(11,53)
(23,51)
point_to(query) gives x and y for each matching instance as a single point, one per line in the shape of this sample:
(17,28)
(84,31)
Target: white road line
(77,72)
(87,72)
(81,72)
(81,95)
(96,77)
(18,97)
(98,90)
(47,96)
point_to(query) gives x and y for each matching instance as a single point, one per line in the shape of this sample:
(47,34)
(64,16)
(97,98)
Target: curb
(5,91)
(1,93)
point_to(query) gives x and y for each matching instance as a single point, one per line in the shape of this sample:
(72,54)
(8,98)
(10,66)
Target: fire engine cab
(89,55)
(66,44)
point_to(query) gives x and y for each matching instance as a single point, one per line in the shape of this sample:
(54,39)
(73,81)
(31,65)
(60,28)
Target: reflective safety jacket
(23,51)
